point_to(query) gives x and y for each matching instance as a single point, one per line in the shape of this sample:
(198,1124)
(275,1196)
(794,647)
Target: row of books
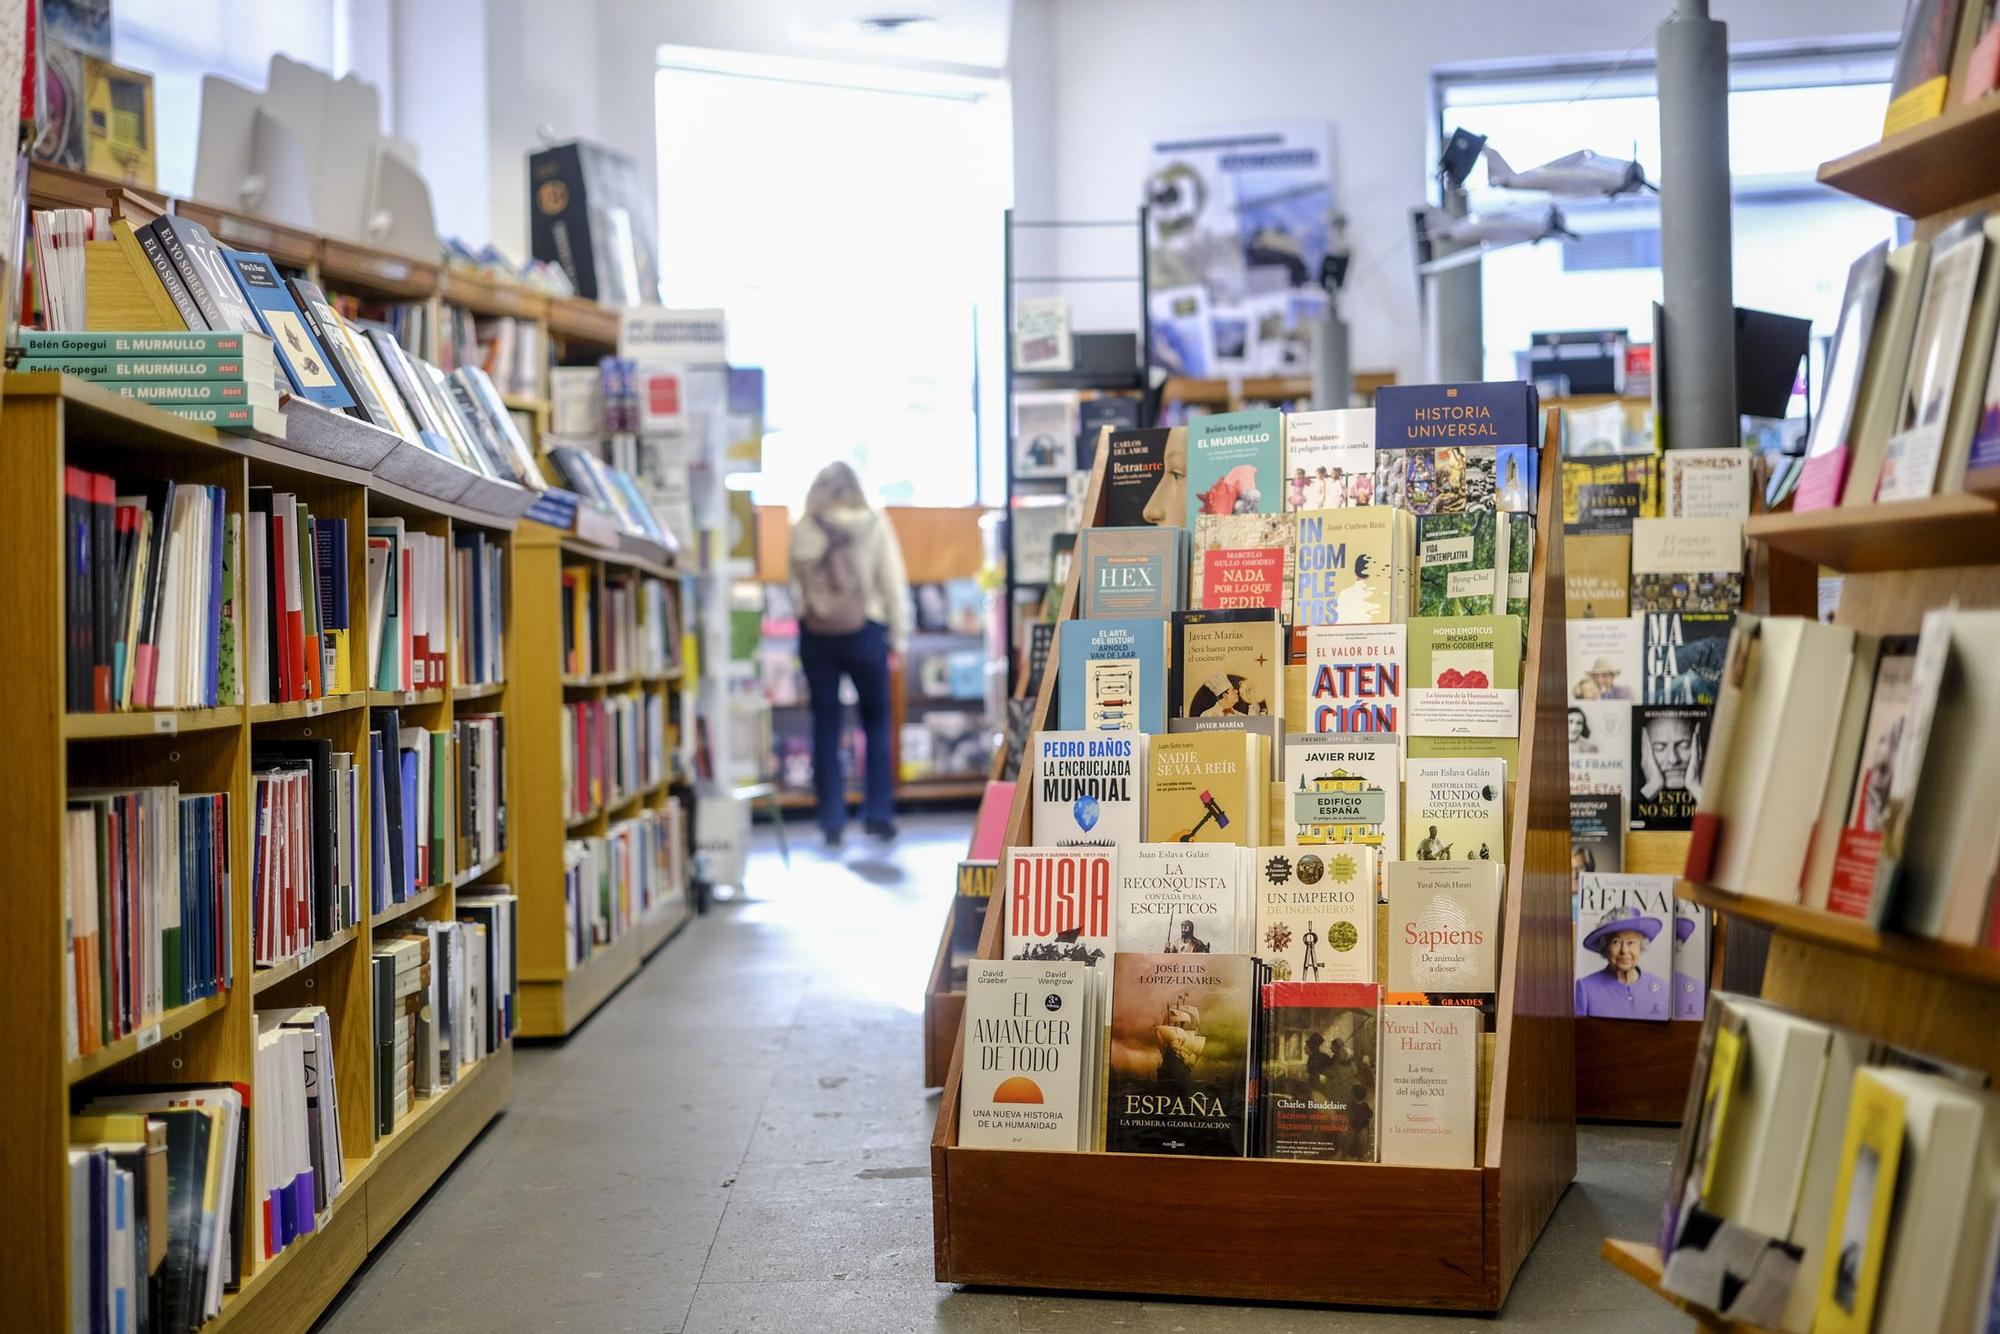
(585,472)
(1829,1181)
(146,906)
(512,352)
(1847,771)
(408,628)
(298,1167)
(297,600)
(479,747)
(444,1000)
(1949,55)
(305,856)
(618,626)
(612,880)
(479,609)
(151,620)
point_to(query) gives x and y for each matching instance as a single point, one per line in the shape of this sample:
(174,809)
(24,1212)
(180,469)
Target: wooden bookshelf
(1961,963)
(1940,166)
(1451,1238)
(1936,532)
(1642,1262)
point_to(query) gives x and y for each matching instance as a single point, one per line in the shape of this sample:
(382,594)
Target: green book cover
(442,780)
(194,393)
(1465,681)
(1518,551)
(227,680)
(139,368)
(162,343)
(1458,573)
(1236,464)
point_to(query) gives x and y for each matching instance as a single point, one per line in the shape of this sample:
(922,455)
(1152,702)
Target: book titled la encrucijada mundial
(1089,788)
(1182,1038)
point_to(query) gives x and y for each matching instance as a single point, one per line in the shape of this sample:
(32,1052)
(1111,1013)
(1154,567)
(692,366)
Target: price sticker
(149,1037)
(166,724)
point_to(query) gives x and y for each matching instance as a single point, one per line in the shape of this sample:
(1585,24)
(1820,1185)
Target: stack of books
(227,380)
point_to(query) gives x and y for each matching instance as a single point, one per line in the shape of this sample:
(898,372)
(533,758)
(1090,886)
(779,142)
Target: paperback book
(1666,764)
(1140,489)
(1597,573)
(1235,463)
(1131,572)
(1344,789)
(1027,1042)
(1458,565)
(1353,566)
(1045,427)
(1088,788)
(1606,658)
(1830,448)
(1706,484)
(1206,787)
(1600,746)
(1242,560)
(1687,564)
(1181,1054)
(1228,664)
(1690,960)
(1910,467)
(1059,903)
(1112,675)
(1852,890)
(1316,912)
(1180,898)
(1444,934)
(1465,678)
(1596,833)
(1330,459)
(1354,679)
(1455,810)
(1428,1085)
(1684,653)
(1319,1070)
(1624,946)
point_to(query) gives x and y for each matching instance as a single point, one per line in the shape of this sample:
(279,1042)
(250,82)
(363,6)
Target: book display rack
(1449,1238)
(1896,560)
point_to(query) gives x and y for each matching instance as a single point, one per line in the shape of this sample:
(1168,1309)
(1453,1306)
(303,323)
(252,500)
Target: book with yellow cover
(1354,566)
(1858,1232)
(1207,787)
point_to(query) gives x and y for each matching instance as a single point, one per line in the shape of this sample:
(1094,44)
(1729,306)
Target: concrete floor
(739,1141)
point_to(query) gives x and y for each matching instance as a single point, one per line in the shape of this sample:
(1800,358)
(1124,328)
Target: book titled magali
(1329,459)
(1228,664)
(1112,675)
(1316,912)
(1319,1075)
(1454,810)
(1354,678)
(1344,789)
(1242,560)
(1131,572)
(1179,898)
(1089,787)
(1180,1060)
(1429,1074)
(1024,1055)
(1206,787)
(1140,488)
(1059,903)
(1444,934)
(1465,676)
(1458,568)
(1624,946)
(1236,463)
(1353,566)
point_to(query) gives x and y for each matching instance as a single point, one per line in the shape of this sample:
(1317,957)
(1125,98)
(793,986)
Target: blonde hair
(836,487)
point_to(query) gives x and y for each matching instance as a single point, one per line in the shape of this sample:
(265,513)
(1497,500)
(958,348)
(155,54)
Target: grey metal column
(1460,307)
(1700,308)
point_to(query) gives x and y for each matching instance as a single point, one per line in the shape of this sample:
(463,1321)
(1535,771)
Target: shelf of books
(602,875)
(1209,979)
(223,833)
(1839,1166)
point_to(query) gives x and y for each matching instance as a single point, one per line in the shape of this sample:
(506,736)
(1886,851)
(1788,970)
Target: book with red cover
(989,829)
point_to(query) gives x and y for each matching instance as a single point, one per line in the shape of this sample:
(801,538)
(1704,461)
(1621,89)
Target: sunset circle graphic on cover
(1441,914)
(1019,1089)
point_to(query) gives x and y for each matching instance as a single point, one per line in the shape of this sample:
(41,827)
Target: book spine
(197,287)
(103,532)
(170,278)
(239,415)
(166,343)
(152,368)
(178,393)
(77,559)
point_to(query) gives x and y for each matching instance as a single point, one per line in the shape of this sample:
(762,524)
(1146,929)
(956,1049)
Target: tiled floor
(739,1141)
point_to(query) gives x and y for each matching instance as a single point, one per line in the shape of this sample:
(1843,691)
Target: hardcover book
(1112,675)
(1354,678)
(1600,746)
(1918,86)
(1235,463)
(1181,1054)
(1707,483)
(1179,898)
(1455,810)
(1330,459)
(1353,566)
(1517,558)
(1911,465)
(1059,903)
(1140,489)
(1131,572)
(1088,788)
(1684,652)
(1666,764)
(205,272)
(1604,495)
(1242,560)
(1316,912)
(1690,959)
(1446,479)
(1597,570)
(1344,789)
(1518,472)
(1457,564)
(1206,787)
(1687,564)
(1465,677)
(1444,934)
(1624,946)
(1596,833)
(1228,664)
(1864,1197)
(1319,1073)
(1437,445)
(1428,1086)
(1026,1042)
(306,363)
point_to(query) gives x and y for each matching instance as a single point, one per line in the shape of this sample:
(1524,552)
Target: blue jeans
(864,657)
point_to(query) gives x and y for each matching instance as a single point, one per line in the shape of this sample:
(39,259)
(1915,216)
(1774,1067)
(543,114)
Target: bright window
(849,223)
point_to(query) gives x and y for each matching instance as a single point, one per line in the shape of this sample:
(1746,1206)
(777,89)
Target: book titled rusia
(1428,1086)
(1444,934)
(1059,903)
(1354,566)
(1089,787)
(1025,1046)
(1228,664)
(1131,572)
(1354,678)
(1242,560)
(1316,912)
(1181,1054)
(1206,787)
(1179,898)
(1319,1076)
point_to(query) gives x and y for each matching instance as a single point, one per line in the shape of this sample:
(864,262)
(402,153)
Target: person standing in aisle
(853,600)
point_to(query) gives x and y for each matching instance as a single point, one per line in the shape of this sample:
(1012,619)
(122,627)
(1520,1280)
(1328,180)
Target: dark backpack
(835,601)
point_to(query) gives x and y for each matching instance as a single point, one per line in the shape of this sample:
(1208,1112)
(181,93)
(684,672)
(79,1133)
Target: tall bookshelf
(1896,560)
(1448,1238)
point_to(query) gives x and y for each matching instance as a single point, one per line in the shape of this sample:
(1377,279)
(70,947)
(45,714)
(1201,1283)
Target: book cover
(1454,810)
(1428,1086)
(1242,560)
(1600,746)
(1344,789)
(1666,764)
(1604,495)
(1910,467)
(1829,449)
(1319,1072)
(1518,472)
(1864,1197)
(1606,658)
(1354,678)
(1624,946)
(306,364)
(1457,564)
(1923,67)
(1119,412)
(1690,959)
(1984,451)
(1059,903)
(1517,556)
(1228,663)
(1851,892)
(1484,414)
(1707,484)
(1596,833)
(1235,463)
(1205,787)
(73,343)
(1130,572)
(1353,566)
(1330,459)
(1042,334)
(1444,934)
(1112,675)
(1178,898)
(1088,788)
(1180,1059)
(1145,478)
(1597,570)
(1465,676)
(1045,426)
(1446,479)
(1316,912)
(205,272)
(1025,1043)
(975,881)
(1684,653)
(1687,564)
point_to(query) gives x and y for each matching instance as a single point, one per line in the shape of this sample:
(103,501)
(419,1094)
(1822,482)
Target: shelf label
(410,696)
(166,724)
(313,707)
(148,1037)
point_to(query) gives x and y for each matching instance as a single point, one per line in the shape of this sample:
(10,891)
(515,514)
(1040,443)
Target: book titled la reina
(1113,675)
(1320,1066)
(1088,788)
(1444,933)
(1429,1079)
(1024,1055)
(1180,1059)
(1059,903)
(1316,912)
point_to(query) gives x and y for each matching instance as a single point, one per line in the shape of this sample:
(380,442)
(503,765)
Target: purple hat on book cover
(1621,919)
(1683,928)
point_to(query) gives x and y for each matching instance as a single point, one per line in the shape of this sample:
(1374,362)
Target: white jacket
(885,585)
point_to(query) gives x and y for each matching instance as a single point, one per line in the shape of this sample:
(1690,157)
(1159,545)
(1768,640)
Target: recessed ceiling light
(886,25)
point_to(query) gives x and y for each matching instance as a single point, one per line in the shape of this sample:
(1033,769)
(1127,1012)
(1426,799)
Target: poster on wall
(1238,225)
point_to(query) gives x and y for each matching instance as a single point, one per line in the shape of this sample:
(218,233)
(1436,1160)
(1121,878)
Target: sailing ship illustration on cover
(1178,1036)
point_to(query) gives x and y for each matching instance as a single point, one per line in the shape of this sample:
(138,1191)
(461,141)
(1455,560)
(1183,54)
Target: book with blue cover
(306,363)
(1112,675)
(1236,464)
(1440,448)
(1132,571)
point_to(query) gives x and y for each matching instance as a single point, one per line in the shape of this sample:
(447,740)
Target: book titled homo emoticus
(1353,566)
(1354,679)
(1112,675)
(1235,463)
(1315,911)
(1465,677)
(1089,788)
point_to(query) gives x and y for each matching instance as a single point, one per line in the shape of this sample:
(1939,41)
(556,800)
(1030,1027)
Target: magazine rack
(1450,1238)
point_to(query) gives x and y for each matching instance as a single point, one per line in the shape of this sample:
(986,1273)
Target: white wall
(1117,73)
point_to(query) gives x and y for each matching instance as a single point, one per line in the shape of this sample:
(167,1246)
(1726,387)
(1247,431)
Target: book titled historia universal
(1206,787)
(1454,810)
(1329,458)
(1353,566)
(1112,675)
(1444,934)
(1228,664)
(1131,572)
(1181,1057)
(1236,463)
(1059,903)
(1344,789)
(1026,1041)
(1422,420)
(1427,1086)
(1319,1077)
(1135,473)
(1180,898)
(1089,788)
(1316,911)
(1242,560)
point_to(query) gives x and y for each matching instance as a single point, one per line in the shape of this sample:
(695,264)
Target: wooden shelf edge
(662,923)
(272,974)
(397,911)
(137,723)
(1641,1262)
(80,1068)
(1945,163)
(477,690)
(308,708)
(1980,967)
(472,873)
(405,699)
(1933,532)
(553,1007)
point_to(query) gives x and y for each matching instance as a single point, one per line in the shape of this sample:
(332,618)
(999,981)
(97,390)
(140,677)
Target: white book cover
(1354,678)
(1600,747)
(1690,960)
(1606,657)
(1329,459)
(1059,903)
(1027,1026)
(1707,483)
(1179,898)
(1042,334)
(1624,946)
(1090,788)
(1444,930)
(1910,466)
(1344,789)
(1454,810)
(1316,912)
(1428,1087)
